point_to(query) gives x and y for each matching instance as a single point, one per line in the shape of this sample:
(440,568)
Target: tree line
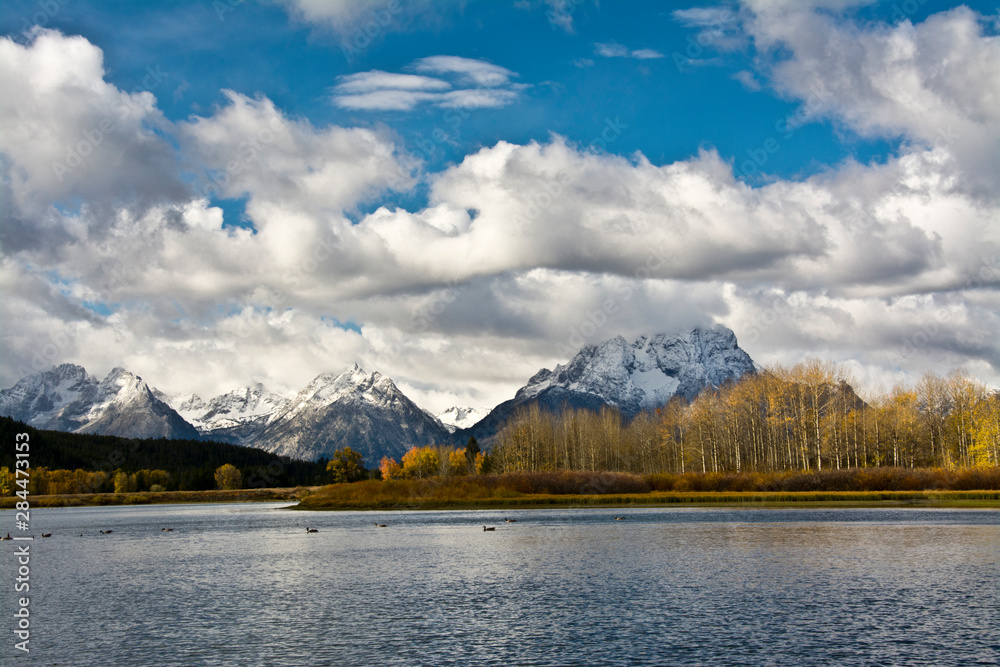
(85,463)
(435,460)
(803,417)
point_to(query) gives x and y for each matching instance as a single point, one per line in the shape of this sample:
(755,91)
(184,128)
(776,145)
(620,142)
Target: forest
(804,417)
(82,463)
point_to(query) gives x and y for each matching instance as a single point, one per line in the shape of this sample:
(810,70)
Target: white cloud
(477,84)
(611,50)
(248,147)
(366,82)
(616,50)
(646,54)
(936,83)
(748,80)
(890,265)
(473,72)
(560,14)
(70,136)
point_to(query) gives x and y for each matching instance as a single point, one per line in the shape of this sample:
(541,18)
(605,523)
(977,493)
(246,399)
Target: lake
(246,585)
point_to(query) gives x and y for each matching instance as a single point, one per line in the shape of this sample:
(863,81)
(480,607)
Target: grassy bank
(575,488)
(291,494)
(979,487)
(982,499)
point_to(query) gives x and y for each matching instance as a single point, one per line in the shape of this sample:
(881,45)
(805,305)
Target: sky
(459,193)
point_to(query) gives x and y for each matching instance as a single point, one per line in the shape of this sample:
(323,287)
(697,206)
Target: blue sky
(474,180)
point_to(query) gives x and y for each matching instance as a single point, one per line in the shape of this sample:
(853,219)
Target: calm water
(245,585)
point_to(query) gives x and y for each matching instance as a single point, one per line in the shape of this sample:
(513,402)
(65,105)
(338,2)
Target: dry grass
(579,488)
(148,498)
(977,486)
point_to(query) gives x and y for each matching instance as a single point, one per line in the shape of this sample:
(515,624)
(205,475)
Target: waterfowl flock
(486,528)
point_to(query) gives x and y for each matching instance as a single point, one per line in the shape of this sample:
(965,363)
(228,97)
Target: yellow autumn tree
(458,464)
(421,462)
(390,468)
(985,448)
(228,477)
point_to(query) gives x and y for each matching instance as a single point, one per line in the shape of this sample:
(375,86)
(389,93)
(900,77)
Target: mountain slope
(364,411)
(641,375)
(237,416)
(65,398)
(456,418)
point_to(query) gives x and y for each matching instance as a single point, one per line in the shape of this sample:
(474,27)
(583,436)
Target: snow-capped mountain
(235,416)
(456,418)
(641,375)
(66,398)
(365,411)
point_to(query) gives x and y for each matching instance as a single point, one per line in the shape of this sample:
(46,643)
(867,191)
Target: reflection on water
(245,584)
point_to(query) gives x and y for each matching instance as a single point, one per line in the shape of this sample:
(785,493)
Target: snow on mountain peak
(65,398)
(456,418)
(649,371)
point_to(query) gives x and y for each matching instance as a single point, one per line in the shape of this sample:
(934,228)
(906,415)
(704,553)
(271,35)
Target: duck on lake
(105,532)
(311,530)
(485,529)
(507,520)
(46,534)
(380,525)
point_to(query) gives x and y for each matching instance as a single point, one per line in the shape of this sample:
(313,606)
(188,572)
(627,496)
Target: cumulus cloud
(892,264)
(249,148)
(935,83)
(68,136)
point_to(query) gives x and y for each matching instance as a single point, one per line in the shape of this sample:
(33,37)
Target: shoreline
(951,499)
(307,499)
(293,494)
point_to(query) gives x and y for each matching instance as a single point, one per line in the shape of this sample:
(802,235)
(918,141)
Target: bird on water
(485,529)
(311,530)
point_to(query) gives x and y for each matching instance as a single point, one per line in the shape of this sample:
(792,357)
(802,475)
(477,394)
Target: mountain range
(367,411)
(66,398)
